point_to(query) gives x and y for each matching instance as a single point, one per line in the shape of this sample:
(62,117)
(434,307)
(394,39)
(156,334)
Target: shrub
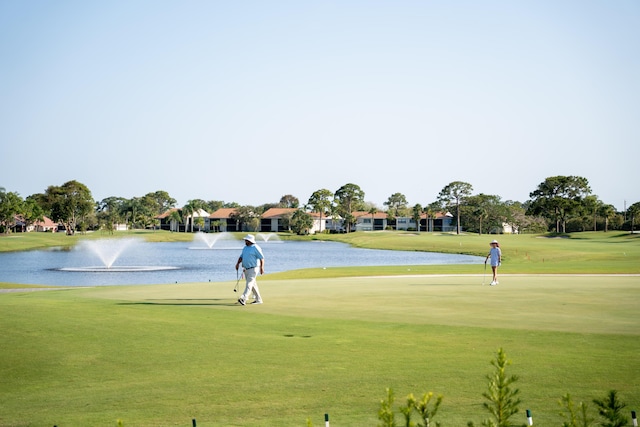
(502,400)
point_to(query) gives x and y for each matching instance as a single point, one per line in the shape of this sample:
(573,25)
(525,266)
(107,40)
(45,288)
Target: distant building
(168,224)
(222,221)
(366,221)
(276,220)
(45,225)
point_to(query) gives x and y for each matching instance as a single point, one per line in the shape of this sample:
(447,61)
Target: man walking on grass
(252,261)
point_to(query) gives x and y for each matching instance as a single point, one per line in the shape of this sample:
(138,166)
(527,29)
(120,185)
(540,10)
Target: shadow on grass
(185,302)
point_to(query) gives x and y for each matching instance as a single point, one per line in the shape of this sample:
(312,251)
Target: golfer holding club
(251,259)
(496,259)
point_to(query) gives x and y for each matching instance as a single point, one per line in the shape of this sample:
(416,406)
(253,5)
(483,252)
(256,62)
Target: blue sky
(247,101)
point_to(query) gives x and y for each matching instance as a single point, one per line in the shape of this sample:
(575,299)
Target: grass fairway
(164,354)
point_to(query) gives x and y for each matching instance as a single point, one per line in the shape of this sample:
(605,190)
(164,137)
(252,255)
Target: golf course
(328,340)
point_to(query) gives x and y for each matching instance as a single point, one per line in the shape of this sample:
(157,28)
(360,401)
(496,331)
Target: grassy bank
(164,354)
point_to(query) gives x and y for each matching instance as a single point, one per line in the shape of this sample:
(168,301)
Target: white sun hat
(250,238)
(495,241)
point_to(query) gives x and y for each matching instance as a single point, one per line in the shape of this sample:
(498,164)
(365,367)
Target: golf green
(166,354)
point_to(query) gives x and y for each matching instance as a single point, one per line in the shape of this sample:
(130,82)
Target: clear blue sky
(247,101)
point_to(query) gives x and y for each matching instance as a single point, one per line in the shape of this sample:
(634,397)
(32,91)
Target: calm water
(196,264)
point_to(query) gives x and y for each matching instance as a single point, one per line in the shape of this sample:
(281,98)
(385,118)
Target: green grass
(590,252)
(164,354)
(30,241)
(326,340)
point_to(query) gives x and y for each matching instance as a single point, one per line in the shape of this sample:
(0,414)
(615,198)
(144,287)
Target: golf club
(238,277)
(484,276)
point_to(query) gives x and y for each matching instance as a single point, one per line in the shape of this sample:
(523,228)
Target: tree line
(559,204)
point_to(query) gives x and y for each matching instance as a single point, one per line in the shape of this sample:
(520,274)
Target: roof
(47,222)
(223,213)
(201,213)
(166,213)
(377,215)
(278,212)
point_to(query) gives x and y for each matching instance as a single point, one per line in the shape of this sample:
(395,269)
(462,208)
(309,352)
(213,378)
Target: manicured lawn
(29,241)
(590,252)
(164,354)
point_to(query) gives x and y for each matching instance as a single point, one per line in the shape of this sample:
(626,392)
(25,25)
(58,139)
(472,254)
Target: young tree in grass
(502,399)
(610,410)
(386,413)
(454,194)
(575,417)
(425,408)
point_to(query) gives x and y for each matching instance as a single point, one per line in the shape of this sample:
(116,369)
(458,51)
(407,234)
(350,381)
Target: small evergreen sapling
(576,417)
(425,409)
(502,400)
(385,413)
(610,409)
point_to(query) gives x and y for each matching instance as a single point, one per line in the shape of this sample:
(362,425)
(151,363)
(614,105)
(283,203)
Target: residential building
(222,220)
(366,221)
(168,224)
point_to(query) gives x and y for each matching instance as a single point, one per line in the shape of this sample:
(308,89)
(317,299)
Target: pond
(158,263)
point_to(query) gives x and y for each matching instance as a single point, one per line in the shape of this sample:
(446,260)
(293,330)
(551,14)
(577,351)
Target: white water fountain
(209,240)
(108,251)
(269,237)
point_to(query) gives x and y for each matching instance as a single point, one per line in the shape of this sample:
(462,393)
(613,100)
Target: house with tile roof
(366,221)
(45,225)
(277,220)
(168,224)
(222,221)
(20,225)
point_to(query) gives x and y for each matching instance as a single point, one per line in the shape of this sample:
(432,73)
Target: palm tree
(189,210)
(431,210)
(373,210)
(607,211)
(321,202)
(634,210)
(176,216)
